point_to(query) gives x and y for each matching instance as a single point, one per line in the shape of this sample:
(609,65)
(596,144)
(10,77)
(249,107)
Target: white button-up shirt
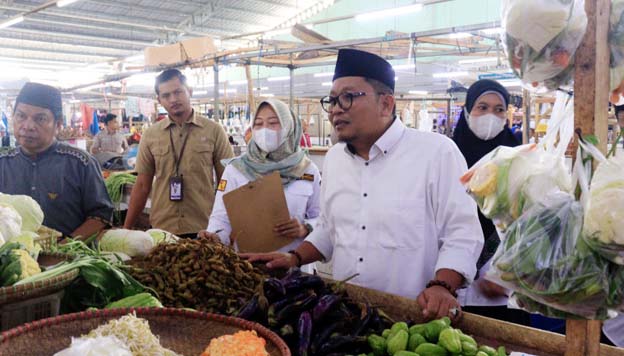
(400,216)
(302,198)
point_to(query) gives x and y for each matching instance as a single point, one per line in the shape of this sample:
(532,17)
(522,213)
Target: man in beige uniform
(178,155)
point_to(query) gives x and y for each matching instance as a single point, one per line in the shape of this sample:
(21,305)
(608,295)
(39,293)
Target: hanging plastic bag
(544,259)
(541,38)
(604,214)
(508,181)
(616,46)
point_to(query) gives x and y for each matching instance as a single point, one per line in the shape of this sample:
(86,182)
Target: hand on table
(274,260)
(437,302)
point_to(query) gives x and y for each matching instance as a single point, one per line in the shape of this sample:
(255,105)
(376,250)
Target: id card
(175,188)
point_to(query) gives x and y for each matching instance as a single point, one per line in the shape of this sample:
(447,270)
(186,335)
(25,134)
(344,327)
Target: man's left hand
(437,302)
(292,229)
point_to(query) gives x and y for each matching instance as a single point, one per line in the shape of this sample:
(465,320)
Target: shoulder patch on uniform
(9,153)
(73,151)
(308,177)
(222,185)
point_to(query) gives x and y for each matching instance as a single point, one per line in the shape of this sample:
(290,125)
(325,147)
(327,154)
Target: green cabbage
(28,209)
(132,243)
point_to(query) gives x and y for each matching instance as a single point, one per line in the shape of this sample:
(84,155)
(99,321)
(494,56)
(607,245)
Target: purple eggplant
(304,282)
(274,289)
(365,321)
(292,274)
(324,334)
(343,343)
(249,309)
(291,311)
(277,307)
(304,329)
(324,305)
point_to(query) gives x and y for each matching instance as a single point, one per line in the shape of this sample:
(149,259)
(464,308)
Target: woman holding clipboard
(274,146)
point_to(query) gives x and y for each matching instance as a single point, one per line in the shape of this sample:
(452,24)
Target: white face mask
(485,127)
(268,140)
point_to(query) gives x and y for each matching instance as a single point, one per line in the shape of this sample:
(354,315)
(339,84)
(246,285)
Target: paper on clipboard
(254,209)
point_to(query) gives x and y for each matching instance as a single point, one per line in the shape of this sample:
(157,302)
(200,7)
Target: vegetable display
(198,274)
(115,184)
(541,38)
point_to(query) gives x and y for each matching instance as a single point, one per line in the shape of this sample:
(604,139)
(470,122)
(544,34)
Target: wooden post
(250,91)
(591,95)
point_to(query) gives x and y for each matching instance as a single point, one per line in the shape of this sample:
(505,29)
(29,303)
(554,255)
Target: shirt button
(366,164)
(33,188)
(361,259)
(385,152)
(34,164)
(365,195)
(363,227)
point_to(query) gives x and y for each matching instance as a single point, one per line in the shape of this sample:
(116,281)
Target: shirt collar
(194,120)
(40,155)
(386,142)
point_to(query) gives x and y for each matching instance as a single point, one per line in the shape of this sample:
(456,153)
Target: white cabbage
(27,239)
(131,242)
(10,222)
(27,207)
(159,236)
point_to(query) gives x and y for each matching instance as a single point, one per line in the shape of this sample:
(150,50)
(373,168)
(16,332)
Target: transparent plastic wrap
(541,38)
(616,46)
(508,181)
(604,210)
(544,258)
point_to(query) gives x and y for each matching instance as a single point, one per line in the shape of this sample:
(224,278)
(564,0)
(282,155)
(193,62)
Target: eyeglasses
(344,100)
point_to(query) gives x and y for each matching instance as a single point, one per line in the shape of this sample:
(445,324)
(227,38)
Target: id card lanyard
(175,183)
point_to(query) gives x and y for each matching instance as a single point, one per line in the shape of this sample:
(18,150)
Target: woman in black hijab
(481,128)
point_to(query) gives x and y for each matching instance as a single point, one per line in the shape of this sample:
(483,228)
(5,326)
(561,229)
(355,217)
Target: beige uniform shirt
(206,146)
(106,142)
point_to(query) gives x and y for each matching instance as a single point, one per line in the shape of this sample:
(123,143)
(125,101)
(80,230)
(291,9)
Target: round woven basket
(183,331)
(21,292)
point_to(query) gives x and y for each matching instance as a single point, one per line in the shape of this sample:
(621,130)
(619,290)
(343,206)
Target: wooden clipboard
(254,209)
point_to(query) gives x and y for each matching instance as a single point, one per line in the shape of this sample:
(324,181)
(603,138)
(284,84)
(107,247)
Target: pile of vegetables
(540,39)
(616,45)
(435,338)
(508,181)
(198,274)
(313,317)
(127,336)
(100,281)
(115,185)
(16,264)
(20,219)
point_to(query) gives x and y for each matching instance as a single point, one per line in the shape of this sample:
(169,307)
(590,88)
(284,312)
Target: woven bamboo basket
(183,331)
(47,237)
(31,290)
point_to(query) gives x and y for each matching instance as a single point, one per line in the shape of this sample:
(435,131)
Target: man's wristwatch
(297,256)
(309,228)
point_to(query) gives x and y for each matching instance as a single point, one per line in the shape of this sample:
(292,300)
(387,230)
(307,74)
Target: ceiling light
(200,92)
(283,31)
(267,95)
(325,74)
(74,101)
(418,92)
(278,79)
(510,83)
(459,35)
(478,60)
(397,11)
(450,74)
(11,22)
(310,26)
(403,66)
(62,3)
(227,91)
(237,82)
(327,84)
(396,79)
(493,31)
(135,58)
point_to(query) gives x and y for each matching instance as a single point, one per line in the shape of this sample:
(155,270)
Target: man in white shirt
(392,208)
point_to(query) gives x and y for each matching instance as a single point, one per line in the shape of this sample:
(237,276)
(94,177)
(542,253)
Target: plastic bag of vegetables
(130,242)
(540,39)
(604,214)
(10,223)
(544,258)
(508,181)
